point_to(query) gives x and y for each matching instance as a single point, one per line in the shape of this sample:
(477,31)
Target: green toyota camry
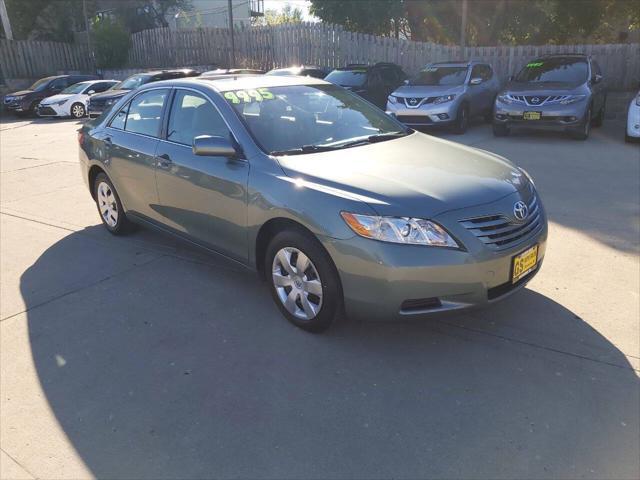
(339,207)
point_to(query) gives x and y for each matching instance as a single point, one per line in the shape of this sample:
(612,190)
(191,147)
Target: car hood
(417,175)
(555,88)
(20,93)
(110,94)
(407,91)
(57,98)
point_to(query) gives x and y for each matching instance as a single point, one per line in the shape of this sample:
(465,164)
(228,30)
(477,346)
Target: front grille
(540,99)
(45,110)
(419,101)
(500,232)
(414,119)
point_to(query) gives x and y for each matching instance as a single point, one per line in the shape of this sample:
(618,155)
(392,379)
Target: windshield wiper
(304,149)
(378,137)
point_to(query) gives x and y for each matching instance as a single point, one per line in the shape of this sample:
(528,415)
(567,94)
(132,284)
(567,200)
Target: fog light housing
(443,116)
(501,116)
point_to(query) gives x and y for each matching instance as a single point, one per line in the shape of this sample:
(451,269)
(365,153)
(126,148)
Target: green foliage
(288,14)
(111,43)
(489,22)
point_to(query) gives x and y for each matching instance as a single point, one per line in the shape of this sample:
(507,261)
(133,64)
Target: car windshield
(548,70)
(440,76)
(40,84)
(132,82)
(306,118)
(284,71)
(77,88)
(348,78)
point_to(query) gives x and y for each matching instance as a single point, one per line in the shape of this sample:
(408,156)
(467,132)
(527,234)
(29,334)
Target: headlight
(413,231)
(504,98)
(572,99)
(61,102)
(392,99)
(110,101)
(444,99)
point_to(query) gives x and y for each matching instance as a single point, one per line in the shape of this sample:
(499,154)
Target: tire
(500,130)
(630,139)
(109,206)
(311,300)
(599,119)
(582,133)
(77,110)
(462,119)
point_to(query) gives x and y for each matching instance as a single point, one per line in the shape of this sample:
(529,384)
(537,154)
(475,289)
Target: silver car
(559,92)
(446,94)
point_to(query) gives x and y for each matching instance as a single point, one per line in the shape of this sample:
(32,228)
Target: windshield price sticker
(430,69)
(248,96)
(534,64)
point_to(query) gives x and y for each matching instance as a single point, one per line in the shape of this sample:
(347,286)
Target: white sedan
(72,101)
(633,120)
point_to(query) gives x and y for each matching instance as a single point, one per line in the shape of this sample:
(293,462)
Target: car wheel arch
(94,171)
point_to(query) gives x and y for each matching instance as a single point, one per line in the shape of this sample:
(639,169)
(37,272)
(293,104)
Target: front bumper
(424,115)
(556,116)
(385,281)
(52,110)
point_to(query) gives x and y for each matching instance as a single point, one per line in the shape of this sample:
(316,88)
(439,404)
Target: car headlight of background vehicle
(413,231)
(60,103)
(392,99)
(638,100)
(505,98)
(110,101)
(444,99)
(572,99)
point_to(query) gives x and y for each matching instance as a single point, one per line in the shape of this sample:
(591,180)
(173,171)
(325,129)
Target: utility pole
(86,26)
(463,26)
(5,21)
(233,45)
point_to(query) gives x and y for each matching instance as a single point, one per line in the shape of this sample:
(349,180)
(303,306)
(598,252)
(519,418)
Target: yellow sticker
(248,96)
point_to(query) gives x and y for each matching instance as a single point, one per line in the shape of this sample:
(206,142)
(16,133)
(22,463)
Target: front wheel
(303,280)
(462,120)
(109,206)
(582,132)
(78,110)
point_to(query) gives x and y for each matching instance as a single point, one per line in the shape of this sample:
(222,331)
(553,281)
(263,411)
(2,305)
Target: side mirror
(406,82)
(475,81)
(597,78)
(91,92)
(213,146)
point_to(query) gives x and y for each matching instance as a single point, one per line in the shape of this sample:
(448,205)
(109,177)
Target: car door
(204,198)
(131,139)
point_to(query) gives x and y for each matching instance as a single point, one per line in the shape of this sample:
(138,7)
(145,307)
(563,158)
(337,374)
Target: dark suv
(374,83)
(26,101)
(102,101)
(560,92)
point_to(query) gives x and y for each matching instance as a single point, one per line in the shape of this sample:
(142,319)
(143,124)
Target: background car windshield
(77,88)
(40,84)
(440,76)
(348,78)
(566,70)
(132,83)
(290,117)
(284,71)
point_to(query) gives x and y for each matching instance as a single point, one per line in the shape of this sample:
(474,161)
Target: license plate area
(524,263)
(532,115)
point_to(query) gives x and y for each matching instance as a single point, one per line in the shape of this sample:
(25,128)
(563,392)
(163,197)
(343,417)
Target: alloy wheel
(107,204)
(77,111)
(297,283)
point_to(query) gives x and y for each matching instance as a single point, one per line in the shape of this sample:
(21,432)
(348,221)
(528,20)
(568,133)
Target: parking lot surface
(139,357)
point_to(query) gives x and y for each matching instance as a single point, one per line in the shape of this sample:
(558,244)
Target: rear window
(551,70)
(348,78)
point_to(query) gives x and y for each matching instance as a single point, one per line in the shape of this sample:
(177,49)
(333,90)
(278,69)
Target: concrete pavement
(139,357)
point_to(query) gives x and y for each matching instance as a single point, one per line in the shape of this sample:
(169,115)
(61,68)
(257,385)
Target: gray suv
(563,92)
(446,94)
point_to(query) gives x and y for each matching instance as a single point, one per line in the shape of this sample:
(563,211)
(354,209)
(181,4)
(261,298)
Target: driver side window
(193,115)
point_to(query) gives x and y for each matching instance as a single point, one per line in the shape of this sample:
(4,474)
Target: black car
(372,82)
(102,101)
(26,101)
(302,71)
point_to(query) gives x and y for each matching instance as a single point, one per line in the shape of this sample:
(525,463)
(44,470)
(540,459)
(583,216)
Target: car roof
(225,83)
(458,63)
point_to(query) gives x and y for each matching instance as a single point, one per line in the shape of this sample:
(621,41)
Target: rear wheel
(462,120)
(78,110)
(109,206)
(599,119)
(500,130)
(303,280)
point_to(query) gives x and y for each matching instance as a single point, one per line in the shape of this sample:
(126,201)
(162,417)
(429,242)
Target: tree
(379,17)
(288,14)
(112,42)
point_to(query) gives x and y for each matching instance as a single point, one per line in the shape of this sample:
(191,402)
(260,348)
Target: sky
(278,4)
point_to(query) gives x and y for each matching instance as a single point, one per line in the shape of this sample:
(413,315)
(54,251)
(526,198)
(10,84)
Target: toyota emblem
(520,210)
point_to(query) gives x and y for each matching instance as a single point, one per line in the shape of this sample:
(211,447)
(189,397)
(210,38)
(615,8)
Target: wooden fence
(332,46)
(31,59)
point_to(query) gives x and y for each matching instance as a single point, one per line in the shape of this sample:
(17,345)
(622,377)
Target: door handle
(163,161)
